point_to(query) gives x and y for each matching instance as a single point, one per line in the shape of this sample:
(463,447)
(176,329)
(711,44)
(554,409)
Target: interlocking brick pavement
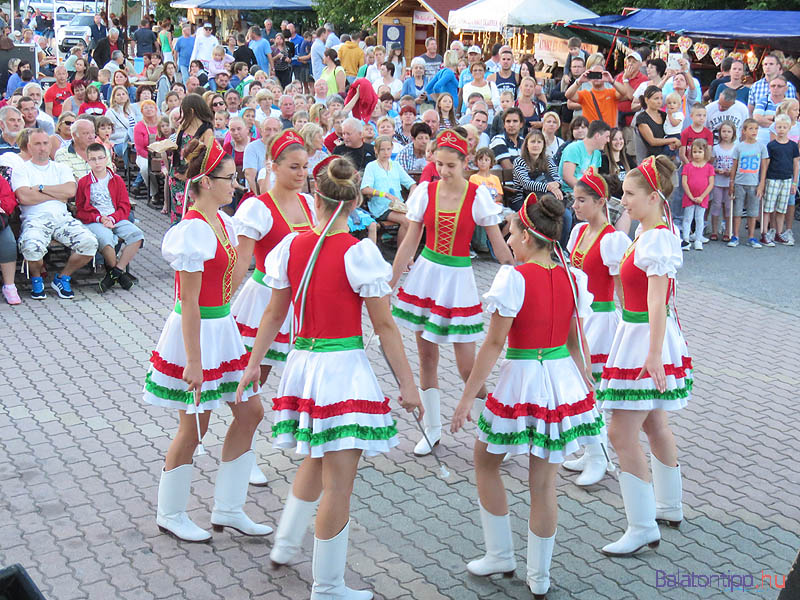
(81,456)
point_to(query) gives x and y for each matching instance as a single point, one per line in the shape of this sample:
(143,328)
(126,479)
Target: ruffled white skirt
(247,309)
(330,401)
(224,359)
(600,328)
(540,408)
(440,301)
(619,388)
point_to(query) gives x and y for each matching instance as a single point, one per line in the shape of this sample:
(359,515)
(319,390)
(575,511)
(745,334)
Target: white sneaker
(698,245)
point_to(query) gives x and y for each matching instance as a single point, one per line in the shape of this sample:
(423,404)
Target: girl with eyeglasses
(200,357)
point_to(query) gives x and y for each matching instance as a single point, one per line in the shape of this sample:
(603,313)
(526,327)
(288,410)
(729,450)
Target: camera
(594,75)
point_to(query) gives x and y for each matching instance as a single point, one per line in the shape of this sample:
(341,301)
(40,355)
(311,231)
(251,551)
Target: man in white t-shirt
(204,44)
(45,216)
(726,108)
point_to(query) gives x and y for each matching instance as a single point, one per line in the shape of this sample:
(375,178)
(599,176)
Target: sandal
(726,238)
(713,237)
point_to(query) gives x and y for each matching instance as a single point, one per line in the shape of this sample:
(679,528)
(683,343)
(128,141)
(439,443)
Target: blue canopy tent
(780,29)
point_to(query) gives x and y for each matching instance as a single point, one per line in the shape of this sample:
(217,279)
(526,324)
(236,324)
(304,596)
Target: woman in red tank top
(200,356)
(262,222)
(439,299)
(649,370)
(543,404)
(329,405)
(596,248)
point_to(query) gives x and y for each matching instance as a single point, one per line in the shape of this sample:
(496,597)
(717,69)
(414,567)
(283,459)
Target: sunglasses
(217,104)
(68,123)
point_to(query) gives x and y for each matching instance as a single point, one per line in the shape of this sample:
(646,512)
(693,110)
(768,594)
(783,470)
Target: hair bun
(551,207)
(194,149)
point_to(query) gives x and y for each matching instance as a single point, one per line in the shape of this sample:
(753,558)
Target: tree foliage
(349,15)
(606,7)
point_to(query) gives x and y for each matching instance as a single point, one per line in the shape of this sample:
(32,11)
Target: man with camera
(598,102)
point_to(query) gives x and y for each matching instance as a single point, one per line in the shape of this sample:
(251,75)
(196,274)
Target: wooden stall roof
(439,8)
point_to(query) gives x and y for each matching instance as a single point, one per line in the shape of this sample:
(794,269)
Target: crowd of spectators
(529,127)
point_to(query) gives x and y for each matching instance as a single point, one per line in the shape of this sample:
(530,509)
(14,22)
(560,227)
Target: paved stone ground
(80,457)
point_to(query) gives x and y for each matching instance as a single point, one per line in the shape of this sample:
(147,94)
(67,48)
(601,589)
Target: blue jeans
(184,74)
(121,149)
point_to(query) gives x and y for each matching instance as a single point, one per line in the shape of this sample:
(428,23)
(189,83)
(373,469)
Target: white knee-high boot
(230,494)
(540,555)
(292,527)
(173,495)
(327,567)
(668,490)
(499,556)
(640,509)
(431,420)
(257,477)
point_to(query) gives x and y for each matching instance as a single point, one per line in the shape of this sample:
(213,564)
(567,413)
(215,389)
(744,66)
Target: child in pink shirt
(697,180)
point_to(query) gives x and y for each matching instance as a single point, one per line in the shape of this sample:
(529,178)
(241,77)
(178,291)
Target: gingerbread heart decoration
(737,55)
(718,55)
(700,50)
(663,51)
(752,60)
(684,43)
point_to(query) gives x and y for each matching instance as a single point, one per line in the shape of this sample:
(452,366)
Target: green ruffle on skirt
(531,437)
(355,430)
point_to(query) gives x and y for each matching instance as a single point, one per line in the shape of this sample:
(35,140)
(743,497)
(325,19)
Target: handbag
(398,206)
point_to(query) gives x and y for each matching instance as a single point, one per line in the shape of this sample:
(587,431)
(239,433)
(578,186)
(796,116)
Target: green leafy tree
(605,7)
(349,15)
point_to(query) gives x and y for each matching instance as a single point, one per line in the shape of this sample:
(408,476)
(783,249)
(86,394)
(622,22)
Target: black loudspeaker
(16,584)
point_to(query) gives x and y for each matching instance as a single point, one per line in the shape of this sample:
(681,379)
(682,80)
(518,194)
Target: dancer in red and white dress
(596,248)
(261,223)
(329,405)
(648,371)
(200,357)
(439,299)
(543,404)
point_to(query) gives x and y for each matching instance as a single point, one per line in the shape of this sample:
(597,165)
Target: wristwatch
(41,187)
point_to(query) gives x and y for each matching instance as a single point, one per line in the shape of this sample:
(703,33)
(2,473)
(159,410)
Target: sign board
(551,49)
(423,17)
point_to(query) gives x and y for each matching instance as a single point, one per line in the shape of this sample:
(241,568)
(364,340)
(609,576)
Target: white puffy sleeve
(585,297)
(230,227)
(276,265)
(574,235)
(253,219)
(417,203)
(612,248)
(309,199)
(658,252)
(367,272)
(188,245)
(507,292)
(485,211)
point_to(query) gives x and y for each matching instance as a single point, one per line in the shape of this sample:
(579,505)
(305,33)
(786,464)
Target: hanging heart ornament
(752,60)
(700,50)
(684,43)
(718,55)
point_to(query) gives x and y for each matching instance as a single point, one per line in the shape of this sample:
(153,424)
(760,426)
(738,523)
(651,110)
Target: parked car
(76,31)
(66,6)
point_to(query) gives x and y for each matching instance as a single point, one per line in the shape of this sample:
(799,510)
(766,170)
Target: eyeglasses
(217,104)
(231,177)
(68,123)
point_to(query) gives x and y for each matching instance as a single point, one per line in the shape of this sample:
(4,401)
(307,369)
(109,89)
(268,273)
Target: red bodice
(280,228)
(449,232)
(216,287)
(546,313)
(634,281)
(333,309)
(601,282)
